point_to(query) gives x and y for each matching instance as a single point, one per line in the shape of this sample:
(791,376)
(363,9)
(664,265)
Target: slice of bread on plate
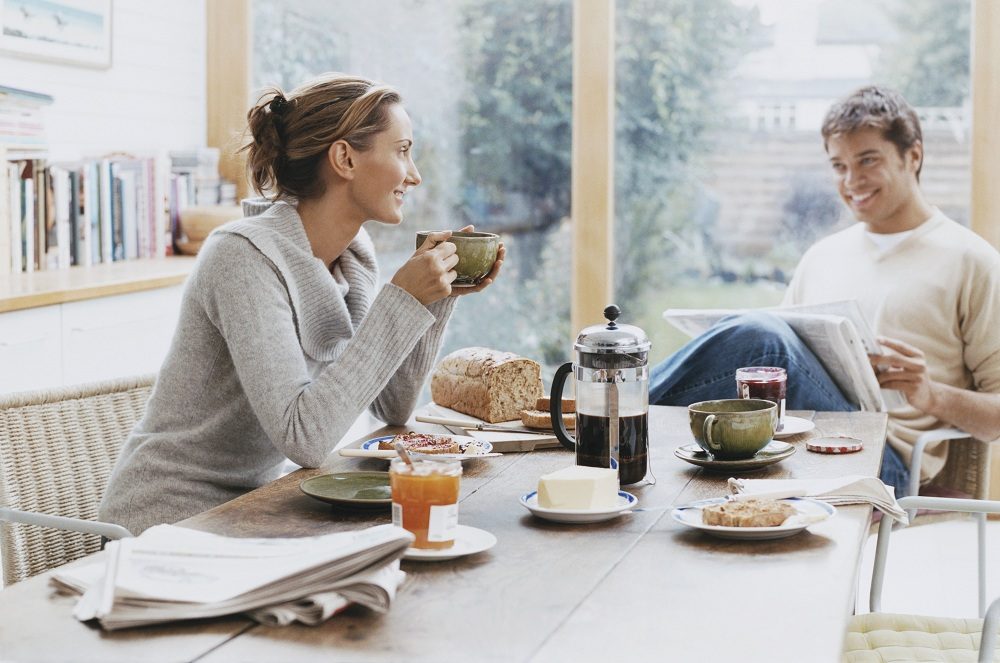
(544,403)
(422,443)
(749,513)
(542,420)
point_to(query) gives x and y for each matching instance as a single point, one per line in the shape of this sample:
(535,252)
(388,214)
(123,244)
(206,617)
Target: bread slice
(544,403)
(750,513)
(488,384)
(542,419)
(422,443)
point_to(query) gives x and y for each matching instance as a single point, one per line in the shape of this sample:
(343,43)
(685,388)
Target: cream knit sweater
(938,290)
(274,357)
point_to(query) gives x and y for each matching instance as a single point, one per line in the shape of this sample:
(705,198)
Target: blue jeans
(705,369)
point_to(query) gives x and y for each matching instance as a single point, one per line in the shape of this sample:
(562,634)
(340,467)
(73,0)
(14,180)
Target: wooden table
(639,586)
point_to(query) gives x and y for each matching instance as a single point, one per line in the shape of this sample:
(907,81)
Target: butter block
(579,487)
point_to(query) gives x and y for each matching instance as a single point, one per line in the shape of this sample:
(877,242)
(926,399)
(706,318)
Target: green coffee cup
(732,429)
(476,254)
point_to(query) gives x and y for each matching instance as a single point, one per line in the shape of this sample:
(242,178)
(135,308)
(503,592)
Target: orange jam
(425,500)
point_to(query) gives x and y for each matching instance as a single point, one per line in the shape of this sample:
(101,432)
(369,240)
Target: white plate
(814,510)
(369,449)
(626,501)
(468,541)
(793,426)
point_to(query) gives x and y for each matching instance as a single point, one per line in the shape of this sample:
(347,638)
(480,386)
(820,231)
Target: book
(171,573)
(837,333)
(13,202)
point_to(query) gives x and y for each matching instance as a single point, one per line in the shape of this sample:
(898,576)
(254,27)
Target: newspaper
(837,333)
(172,573)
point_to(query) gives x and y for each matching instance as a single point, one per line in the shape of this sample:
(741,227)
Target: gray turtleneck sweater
(274,357)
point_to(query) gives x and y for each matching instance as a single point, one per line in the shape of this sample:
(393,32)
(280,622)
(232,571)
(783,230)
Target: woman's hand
(429,272)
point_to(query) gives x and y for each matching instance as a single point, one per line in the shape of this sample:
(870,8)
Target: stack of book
(172,573)
(22,122)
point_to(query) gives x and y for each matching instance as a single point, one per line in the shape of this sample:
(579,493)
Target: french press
(612,398)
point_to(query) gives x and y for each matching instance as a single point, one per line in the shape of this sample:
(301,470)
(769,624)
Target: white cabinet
(117,336)
(30,349)
(88,340)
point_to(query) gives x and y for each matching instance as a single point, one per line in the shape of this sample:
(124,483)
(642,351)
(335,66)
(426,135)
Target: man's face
(877,183)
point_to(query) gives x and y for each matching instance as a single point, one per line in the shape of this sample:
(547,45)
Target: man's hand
(905,368)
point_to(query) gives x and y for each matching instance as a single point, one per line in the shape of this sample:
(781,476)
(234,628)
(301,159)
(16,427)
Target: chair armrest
(926,438)
(107,530)
(915,502)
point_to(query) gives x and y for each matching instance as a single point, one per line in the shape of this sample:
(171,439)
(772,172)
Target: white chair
(898,637)
(967,472)
(57,450)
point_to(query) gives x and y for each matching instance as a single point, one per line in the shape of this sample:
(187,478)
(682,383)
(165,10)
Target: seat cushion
(883,637)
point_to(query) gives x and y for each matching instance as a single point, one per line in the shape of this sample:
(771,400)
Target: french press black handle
(555,407)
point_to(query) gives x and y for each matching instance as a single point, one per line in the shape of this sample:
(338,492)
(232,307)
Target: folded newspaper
(173,573)
(837,333)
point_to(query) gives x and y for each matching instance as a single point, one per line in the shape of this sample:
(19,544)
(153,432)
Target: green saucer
(358,490)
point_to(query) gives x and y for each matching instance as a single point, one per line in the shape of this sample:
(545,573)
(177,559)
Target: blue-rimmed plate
(808,512)
(479,449)
(625,502)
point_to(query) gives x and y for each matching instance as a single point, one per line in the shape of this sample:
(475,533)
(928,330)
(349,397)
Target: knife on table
(472,425)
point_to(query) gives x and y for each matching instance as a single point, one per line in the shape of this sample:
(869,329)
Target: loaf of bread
(488,384)
(542,419)
(751,513)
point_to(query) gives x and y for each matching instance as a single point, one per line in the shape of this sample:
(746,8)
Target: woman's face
(385,172)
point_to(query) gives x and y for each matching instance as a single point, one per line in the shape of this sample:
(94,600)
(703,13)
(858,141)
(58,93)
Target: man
(929,286)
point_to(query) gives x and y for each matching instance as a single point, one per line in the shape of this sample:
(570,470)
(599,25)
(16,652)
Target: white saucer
(812,510)
(468,541)
(793,426)
(626,501)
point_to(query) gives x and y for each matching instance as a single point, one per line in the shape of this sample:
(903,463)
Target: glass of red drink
(766,382)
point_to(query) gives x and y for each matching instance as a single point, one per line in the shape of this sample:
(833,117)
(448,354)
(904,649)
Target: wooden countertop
(23,291)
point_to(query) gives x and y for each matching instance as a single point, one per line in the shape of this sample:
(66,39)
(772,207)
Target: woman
(284,337)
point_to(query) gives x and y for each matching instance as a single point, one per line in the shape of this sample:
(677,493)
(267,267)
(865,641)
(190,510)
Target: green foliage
(517,133)
(516,126)
(929,64)
(668,85)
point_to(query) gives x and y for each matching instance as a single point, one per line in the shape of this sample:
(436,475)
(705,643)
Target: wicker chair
(57,450)
(877,636)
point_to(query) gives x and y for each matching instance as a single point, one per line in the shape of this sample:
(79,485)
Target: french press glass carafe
(612,398)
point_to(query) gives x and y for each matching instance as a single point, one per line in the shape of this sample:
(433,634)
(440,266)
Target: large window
(721,178)
(488,86)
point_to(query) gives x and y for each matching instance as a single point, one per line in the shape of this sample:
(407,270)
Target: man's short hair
(874,107)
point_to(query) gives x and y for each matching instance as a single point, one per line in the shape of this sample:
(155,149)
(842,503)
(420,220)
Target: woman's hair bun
(278,105)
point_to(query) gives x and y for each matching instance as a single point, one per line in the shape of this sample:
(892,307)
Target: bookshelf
(89,288)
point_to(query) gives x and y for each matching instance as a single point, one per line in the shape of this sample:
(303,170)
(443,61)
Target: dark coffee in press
(592,449)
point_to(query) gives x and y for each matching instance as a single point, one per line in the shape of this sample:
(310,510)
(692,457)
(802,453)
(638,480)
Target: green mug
(732,429)
(476,254)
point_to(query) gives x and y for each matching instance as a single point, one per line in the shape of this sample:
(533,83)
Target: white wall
(152,98)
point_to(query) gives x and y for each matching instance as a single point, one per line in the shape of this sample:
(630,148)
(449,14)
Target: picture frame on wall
(76,32)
